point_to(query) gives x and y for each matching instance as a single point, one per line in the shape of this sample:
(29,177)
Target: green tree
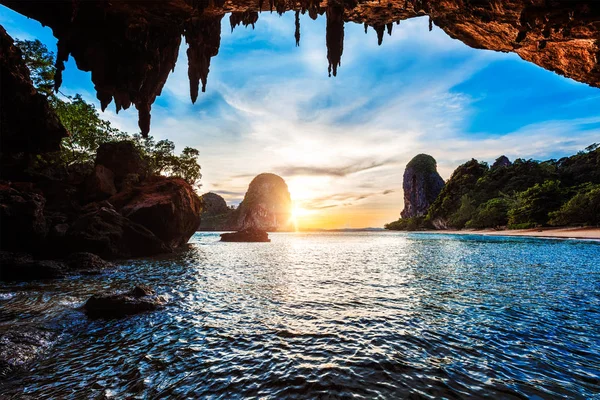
(581,209)
(41,64)
(491,214)
(534,204)
(187,166)
(86,129)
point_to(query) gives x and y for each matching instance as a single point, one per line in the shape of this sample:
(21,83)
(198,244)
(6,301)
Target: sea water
(328,315)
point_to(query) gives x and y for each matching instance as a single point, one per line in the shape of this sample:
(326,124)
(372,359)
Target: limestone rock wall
(422,184)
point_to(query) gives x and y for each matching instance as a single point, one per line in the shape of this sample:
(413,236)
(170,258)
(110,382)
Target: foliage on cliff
(87,130)
(524,194)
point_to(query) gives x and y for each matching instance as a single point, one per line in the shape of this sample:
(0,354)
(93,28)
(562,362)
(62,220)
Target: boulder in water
(22,267)
(87,263)
(20,345)
(110,235)
(168,207)
(246,235)
(117,305)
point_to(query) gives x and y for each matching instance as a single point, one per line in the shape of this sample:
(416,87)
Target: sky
(341,143)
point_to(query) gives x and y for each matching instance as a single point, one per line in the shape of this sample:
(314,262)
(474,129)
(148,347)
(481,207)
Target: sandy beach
(558,233)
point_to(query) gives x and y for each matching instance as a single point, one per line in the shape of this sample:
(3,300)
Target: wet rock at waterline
(87,263)
(246,235)
(117,305)
(21,267)
(110,235)
(20,346)
(168,207)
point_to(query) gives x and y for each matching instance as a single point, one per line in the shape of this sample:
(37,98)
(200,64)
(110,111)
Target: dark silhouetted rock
(246,235)
(22,222)
(168,207)
(122,158)
(22,267)
(110,235)
(117,305)
(213,204)
(216,216)
(267,205)
(20,345)
(422,184)
(28,124)
(100,184)
(87,263)
(500,162)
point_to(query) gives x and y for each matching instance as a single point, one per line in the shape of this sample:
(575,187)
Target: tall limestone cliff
(422,184)
(267,205)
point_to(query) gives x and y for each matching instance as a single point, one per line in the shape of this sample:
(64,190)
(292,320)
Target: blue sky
(342,143)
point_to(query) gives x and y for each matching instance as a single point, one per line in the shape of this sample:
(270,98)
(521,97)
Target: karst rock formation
(130,47)
(267,205)
(422,184)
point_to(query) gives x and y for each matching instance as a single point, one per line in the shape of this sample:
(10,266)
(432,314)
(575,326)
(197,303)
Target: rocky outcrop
(422,184)
(22,221)
(501,162)
(216,216)
(561,36)
(21,345)
(100,184)
(122,159)
(267,205)
(22,267)
(246,235)
(87,263)
(110,235)
(167,207)
(28,124)
(117,305)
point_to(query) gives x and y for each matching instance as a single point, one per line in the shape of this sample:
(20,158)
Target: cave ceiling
(130,47)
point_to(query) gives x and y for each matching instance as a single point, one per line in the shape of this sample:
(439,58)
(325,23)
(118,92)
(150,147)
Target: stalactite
(334,36)
(380,29)
(144,109)
(390,26)
(203,37)
(297,34)
(131,47)
(281,6)
(245,18)
(61,57)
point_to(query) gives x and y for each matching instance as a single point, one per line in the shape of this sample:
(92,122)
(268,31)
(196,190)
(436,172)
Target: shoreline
(548,233)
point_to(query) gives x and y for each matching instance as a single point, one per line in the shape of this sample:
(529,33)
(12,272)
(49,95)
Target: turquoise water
(345,315)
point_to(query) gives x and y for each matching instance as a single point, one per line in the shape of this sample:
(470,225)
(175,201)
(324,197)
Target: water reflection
(339,315)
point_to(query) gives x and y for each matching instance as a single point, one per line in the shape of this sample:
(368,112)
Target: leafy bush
(491,214)
(534,204)
(581,209)
(408,224)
